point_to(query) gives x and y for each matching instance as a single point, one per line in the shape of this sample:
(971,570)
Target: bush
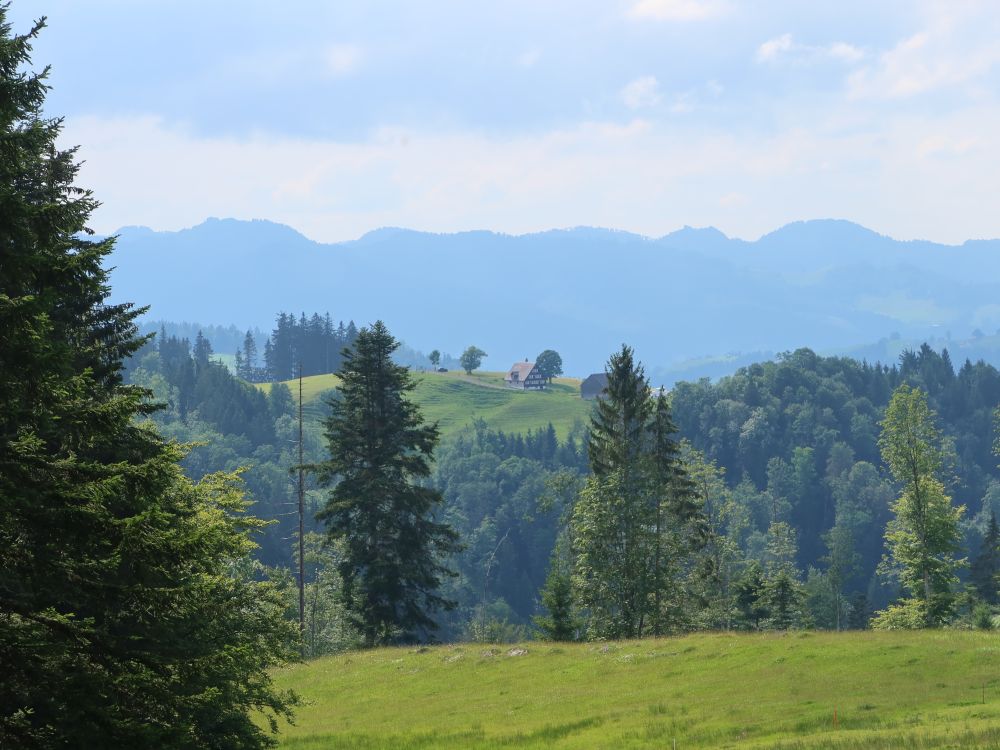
(908,614)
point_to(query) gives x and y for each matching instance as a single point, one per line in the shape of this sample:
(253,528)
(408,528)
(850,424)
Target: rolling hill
(581,291)
(917,689)
(454,400)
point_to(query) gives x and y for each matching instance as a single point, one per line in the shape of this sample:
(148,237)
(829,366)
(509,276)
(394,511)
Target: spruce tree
(638,519)
(202,351)
(619,423)
(123,619)
(249,357)
(679,526)
(986,566)
(380,506)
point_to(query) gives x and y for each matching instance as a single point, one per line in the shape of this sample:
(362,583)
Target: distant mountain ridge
(826,284)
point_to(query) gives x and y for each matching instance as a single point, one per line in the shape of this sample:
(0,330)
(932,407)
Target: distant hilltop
(826,284)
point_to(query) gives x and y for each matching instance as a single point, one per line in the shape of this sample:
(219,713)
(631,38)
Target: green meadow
(454,400)
(930,689)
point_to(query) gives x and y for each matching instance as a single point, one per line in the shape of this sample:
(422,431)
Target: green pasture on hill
(931,689)
(454,400)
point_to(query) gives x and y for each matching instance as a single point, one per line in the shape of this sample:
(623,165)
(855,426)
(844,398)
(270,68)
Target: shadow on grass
(475,738)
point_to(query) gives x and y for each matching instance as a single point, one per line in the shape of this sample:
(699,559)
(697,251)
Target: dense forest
(792,446)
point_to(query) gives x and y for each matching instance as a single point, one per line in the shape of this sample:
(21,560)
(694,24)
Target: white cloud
(343,59)
(642,92)
(770,49)
(784,47)
(906,177)
(678,10)
(922,63)
(846,52)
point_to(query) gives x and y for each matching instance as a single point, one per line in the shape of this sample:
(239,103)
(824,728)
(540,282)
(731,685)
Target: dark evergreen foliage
(310,343)
(986,565)
(379,504)
(125,617)
(560,621)
(619,422)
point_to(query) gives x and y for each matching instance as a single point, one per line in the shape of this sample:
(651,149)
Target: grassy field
(935,689)
(454,400)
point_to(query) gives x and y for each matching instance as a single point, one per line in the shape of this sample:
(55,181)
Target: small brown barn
(594,385)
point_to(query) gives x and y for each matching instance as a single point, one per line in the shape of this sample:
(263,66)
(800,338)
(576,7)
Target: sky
(338,118)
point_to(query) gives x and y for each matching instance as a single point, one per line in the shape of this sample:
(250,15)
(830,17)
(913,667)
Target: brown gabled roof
(523,370)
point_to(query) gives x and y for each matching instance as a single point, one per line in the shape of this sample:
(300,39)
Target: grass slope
(890,690)
(454,400)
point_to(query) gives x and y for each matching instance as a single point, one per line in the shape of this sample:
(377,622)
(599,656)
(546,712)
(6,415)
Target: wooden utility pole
(486,580)
(302,514)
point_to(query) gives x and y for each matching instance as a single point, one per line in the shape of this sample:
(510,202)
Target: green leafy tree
(380,509)
(924,537)
(127,616)
(435,358)
(549,364)
(471,359)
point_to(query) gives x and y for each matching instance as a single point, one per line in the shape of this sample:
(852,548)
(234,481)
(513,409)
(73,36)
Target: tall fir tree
(620,419)
(249,358)
(124,619)
(638,519)
(380,507)
(202,351)
(986,565)
(679,526)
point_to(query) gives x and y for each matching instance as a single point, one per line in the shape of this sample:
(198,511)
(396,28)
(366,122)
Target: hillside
(914,689)
(580,291)
(454,400)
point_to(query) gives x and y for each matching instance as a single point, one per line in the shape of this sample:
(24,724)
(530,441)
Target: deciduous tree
(549,364)
(923,538)
(471,359)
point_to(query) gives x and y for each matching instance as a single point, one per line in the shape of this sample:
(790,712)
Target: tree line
(303,346)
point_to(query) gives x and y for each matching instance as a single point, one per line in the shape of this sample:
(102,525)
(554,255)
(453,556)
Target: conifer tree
(124,619)
(249,357)
(202,351)
(986,566)
(560,622)
(637,520)
(678,524)
(380,507)
(620,420)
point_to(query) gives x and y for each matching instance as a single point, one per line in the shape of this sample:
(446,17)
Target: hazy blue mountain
(829,285)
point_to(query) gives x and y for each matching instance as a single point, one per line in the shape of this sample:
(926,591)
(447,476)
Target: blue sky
(645,115)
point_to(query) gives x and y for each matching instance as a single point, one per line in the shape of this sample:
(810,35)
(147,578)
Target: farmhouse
(594,386)
(525,376)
